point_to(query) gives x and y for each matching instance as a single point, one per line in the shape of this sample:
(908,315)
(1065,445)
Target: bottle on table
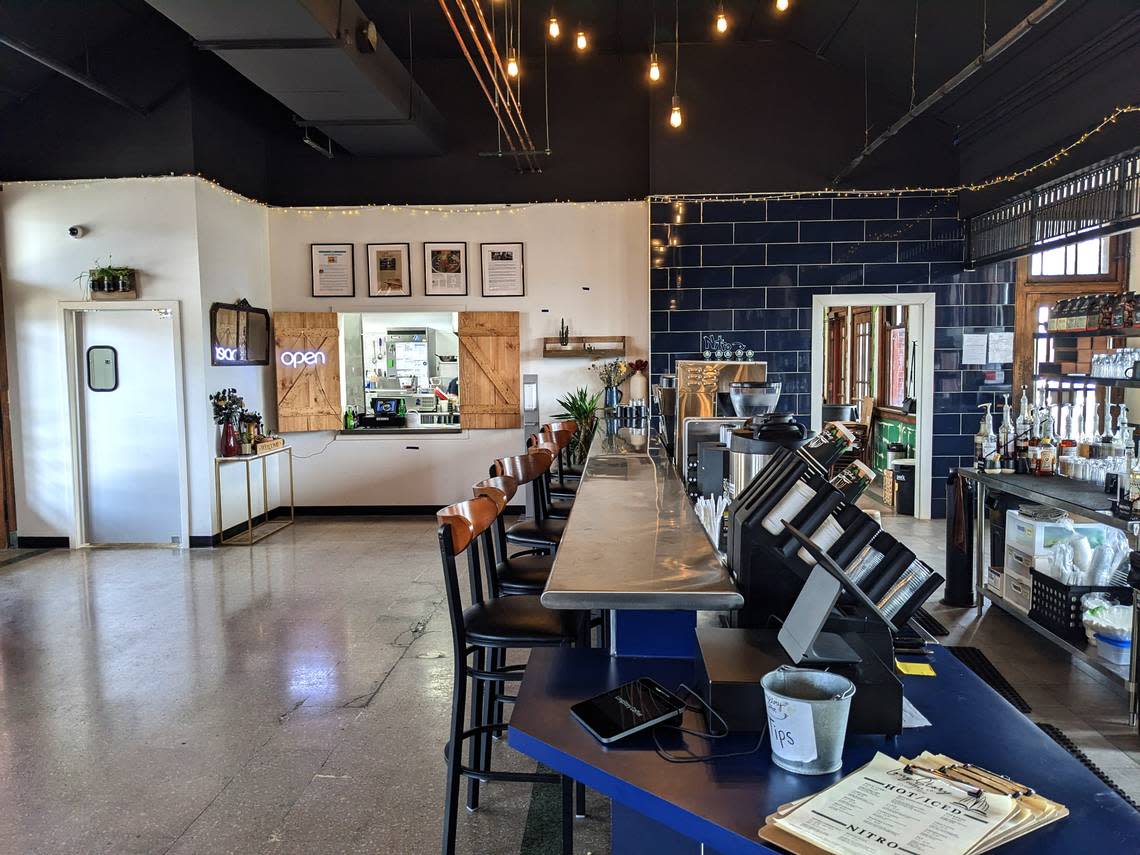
(1023,429)
(1046,464)
(985,440)
(1007,440)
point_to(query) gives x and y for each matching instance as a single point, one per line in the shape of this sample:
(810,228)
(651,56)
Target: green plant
(581,406)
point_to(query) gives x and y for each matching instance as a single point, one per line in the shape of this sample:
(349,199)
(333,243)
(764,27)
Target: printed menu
(932,805)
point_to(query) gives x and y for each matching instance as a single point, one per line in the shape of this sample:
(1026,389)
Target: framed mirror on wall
(239,334)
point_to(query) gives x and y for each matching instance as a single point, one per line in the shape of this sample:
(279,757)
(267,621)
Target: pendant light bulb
(580,42)
(782,5)
(553,28)
(512,63)
(654,68)
(722,21)
(675,114)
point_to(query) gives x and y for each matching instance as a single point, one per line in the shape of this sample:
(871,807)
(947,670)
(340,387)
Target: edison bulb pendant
(553,28)
(581,42)
(654,68)
(675,113)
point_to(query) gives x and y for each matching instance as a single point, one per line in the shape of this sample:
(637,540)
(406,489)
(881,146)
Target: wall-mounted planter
(120,285)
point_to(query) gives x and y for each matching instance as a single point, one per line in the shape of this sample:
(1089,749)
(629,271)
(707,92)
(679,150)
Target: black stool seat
(541,533)
(519,620)
(526,574)
(563,491)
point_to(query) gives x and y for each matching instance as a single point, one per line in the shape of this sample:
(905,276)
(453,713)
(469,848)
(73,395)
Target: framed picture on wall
(445,269)
(333,274)
(388,269)
(502,269)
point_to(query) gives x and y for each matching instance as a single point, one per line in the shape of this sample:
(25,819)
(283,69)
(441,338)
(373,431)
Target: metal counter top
(633,540)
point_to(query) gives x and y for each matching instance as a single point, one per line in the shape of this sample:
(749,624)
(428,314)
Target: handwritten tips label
(791,729)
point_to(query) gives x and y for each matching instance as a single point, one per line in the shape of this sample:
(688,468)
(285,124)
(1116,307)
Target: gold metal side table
(254,531)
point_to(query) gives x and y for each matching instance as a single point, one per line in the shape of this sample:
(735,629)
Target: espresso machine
(710,399)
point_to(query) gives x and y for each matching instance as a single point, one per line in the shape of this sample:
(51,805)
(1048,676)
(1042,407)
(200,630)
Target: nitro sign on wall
(307,362)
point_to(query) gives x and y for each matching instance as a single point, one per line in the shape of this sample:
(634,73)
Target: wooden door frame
(7,465)
(924,377)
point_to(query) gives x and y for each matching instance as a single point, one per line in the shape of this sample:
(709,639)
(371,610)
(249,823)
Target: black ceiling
(1020,107)
(852,34)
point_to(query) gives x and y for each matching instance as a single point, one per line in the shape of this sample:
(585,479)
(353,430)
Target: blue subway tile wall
(747,271)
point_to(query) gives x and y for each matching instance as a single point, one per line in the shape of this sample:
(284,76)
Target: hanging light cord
(654,34)
(676,42)
(914,59)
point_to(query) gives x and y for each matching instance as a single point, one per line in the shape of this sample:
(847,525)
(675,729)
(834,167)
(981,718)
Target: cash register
(387,412)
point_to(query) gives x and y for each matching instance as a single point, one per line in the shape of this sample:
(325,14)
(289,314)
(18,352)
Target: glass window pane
(102,368)
(1089,257)
(1035,264)
(1053,262)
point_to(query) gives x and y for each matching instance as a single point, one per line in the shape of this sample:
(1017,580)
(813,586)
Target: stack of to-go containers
(1027,550)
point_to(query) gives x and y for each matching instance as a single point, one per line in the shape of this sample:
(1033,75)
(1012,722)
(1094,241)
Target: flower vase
(638,388)
(612,398)
(229,440)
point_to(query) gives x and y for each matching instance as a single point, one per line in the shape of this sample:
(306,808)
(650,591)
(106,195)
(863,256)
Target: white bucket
(807,718)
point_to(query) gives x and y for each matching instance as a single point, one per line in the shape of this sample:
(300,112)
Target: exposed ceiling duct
(324,61)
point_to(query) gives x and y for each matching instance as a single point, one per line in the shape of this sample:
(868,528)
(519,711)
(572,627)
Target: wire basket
(1057,606)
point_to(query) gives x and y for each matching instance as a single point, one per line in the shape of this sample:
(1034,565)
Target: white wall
(567,247)
(233,262)
(197,244)
(190,242)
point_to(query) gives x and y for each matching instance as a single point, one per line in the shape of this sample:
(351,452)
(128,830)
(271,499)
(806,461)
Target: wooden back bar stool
(483,629)
(556,508)
(524,572)
(568,474)
(560,486)
(538,531)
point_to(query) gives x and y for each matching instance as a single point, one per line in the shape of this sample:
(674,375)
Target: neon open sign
(293,358)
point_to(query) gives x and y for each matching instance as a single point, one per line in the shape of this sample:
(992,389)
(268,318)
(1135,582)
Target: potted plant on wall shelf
(582,407)
(108,282)
(228,406)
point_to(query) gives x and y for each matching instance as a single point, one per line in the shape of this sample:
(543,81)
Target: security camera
(76,231)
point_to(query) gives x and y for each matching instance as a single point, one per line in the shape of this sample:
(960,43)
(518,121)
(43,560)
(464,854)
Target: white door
(128,426)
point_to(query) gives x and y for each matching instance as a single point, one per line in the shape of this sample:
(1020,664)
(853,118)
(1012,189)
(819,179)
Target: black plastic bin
(904,488)
(959,590)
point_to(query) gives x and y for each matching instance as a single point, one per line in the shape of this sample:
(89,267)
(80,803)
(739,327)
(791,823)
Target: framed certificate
(445,269)
(333,274)
(502,269)
(388,273)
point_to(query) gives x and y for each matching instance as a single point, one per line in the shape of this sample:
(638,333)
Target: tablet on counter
(616,714)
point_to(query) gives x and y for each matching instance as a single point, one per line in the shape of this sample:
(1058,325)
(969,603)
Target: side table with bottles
(252,531)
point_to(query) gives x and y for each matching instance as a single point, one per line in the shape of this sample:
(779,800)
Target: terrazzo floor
(293,698)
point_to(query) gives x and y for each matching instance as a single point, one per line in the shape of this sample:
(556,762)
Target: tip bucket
(807,718)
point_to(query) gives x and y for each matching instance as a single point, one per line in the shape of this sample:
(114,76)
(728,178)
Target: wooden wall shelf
(585,347)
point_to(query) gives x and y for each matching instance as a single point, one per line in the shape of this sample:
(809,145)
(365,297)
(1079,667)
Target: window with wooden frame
(862,354)
(893,356)
(1056,274)
(836,387)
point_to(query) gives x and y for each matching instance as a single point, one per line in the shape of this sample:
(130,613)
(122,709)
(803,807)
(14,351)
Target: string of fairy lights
(445,211)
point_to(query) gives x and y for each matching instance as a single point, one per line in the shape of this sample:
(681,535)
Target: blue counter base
(660,808)
(655,634)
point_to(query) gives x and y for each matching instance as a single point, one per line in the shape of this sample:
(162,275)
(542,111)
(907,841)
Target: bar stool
(557,508)
(524,572)
(539,531)
(484,629)
(561,434)
(566,471)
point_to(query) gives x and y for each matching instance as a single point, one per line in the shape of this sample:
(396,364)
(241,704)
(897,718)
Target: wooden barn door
(306,352)
(489,373)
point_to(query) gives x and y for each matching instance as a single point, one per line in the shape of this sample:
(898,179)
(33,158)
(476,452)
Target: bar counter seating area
(490,427)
